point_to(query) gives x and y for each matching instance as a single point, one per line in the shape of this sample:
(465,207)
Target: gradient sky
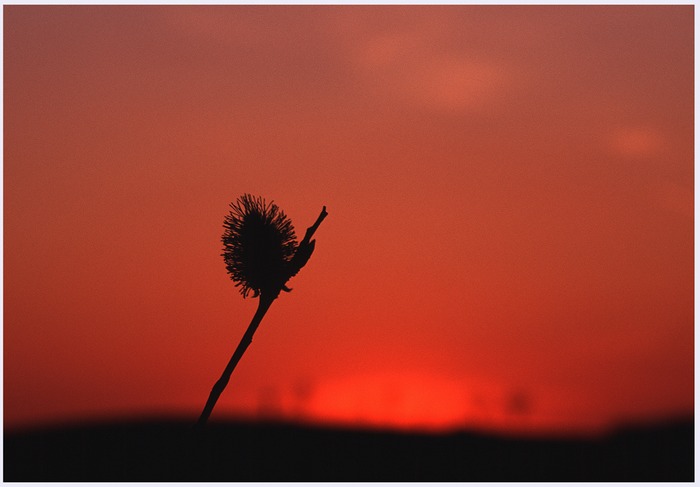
(510,193)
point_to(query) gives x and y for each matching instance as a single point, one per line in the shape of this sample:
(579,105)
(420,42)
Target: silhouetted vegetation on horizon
(239,451)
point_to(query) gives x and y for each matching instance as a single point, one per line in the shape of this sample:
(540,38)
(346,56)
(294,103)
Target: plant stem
(263,305)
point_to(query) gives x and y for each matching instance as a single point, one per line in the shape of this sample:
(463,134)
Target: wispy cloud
(637,142)
(414,62)
(425,75)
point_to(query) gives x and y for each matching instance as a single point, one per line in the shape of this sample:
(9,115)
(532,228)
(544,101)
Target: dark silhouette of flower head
(259,242)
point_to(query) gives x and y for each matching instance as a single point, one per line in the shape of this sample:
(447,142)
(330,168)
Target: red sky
(510,193)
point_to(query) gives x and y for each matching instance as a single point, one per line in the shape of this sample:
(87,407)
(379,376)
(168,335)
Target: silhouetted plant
(261,254)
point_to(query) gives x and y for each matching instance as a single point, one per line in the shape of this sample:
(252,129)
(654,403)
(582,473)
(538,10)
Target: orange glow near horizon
(510,191)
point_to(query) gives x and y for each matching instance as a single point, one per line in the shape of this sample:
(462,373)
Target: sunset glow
(509,240)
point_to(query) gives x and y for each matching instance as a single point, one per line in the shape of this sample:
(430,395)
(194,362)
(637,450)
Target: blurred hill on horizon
(171,450)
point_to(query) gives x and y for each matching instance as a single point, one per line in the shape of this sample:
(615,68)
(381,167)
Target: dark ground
(172,451)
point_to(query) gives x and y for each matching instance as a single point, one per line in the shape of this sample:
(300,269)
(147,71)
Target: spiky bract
(259,241)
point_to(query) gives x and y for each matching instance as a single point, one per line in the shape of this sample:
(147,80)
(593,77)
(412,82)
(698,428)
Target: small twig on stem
(312,229)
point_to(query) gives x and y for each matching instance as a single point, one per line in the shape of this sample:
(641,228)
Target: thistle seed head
(259,241)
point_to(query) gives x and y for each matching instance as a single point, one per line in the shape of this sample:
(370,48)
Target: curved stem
(263,305)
